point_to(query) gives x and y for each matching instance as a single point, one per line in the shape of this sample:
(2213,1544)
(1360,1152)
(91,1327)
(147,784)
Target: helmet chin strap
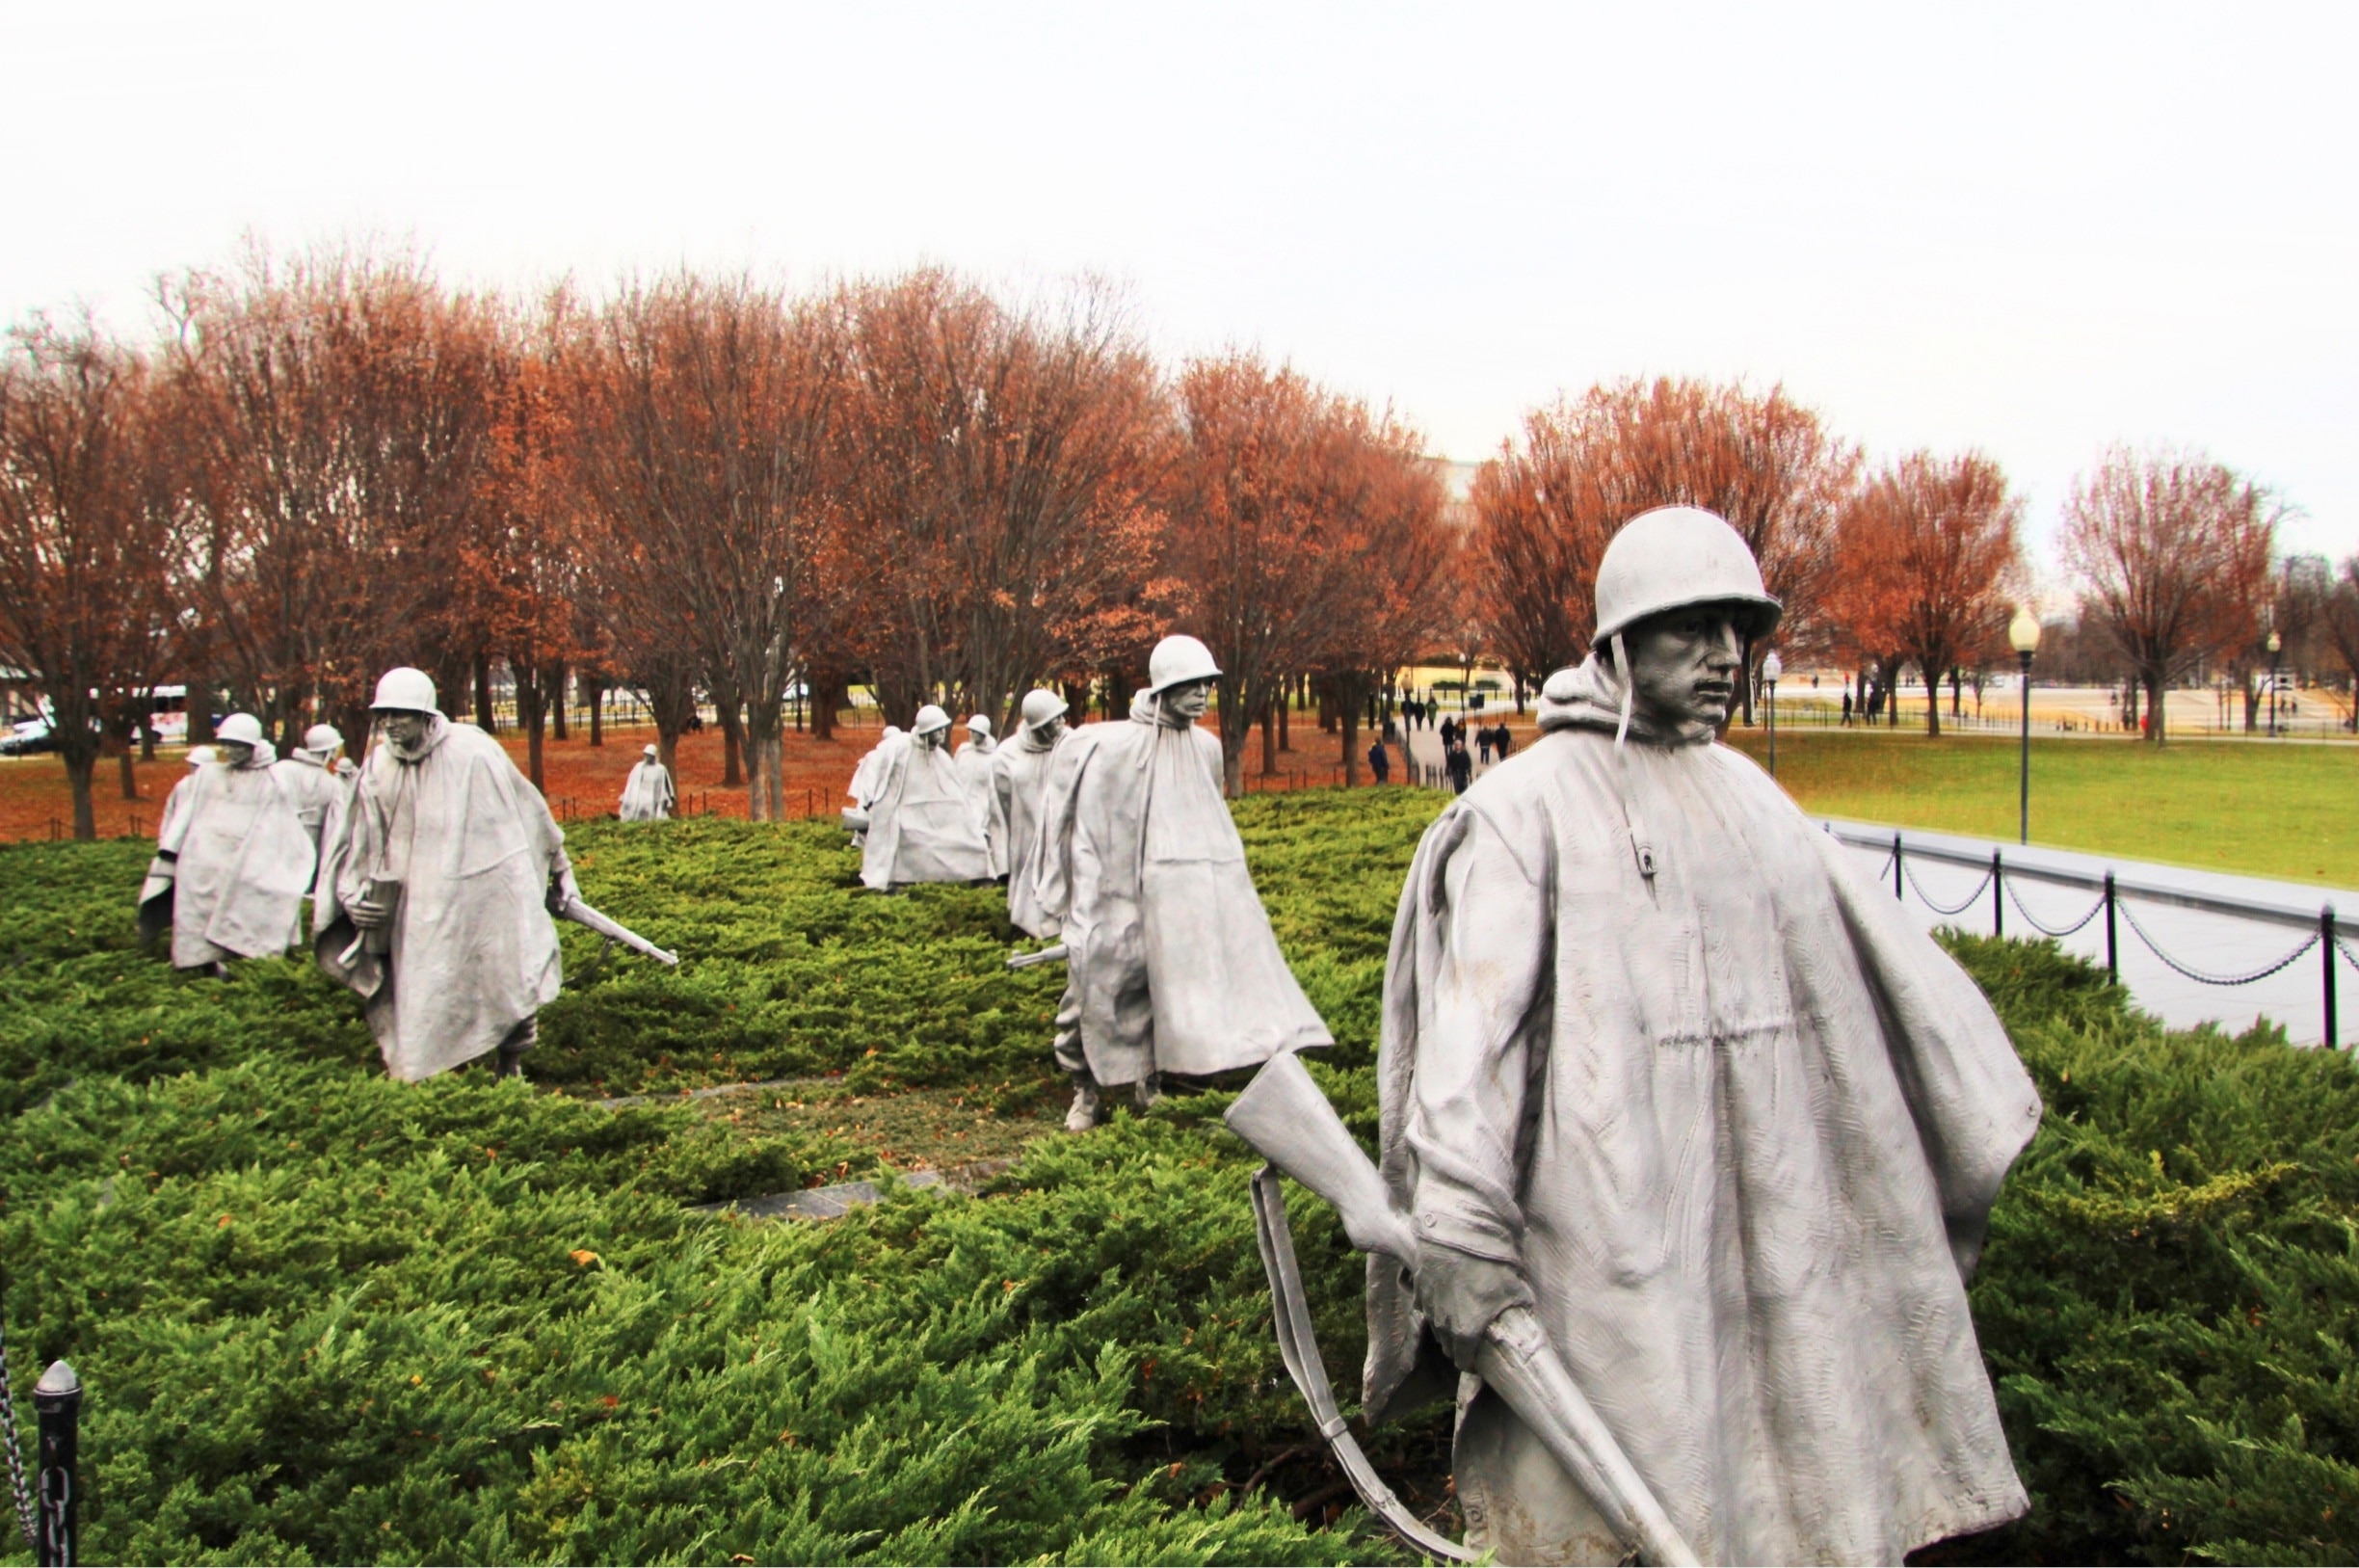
(1629,689)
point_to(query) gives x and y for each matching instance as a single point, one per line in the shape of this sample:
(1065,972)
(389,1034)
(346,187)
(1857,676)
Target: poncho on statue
(1141,867)
(1020,794)
(234,862)
(648,795)
(1740,1125)
(474,952)
(974,773)
(313,787)
(921,825)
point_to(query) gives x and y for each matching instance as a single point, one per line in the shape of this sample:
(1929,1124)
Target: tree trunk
(2154,706)
(485,719)
(1269,738)
(594,692)
(532,713)
(1286,710)
(557,702)
(78,772)
(733,746)
(199,707)
(1232,726)
(148,739)
(123,769)
(1348,716)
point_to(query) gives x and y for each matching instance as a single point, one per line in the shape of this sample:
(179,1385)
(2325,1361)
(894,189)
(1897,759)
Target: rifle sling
(1291,1315)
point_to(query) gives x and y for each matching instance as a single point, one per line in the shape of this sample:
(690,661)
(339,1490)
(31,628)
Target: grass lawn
(2290,811)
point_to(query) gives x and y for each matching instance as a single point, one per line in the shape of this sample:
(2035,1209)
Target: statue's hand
(562,890)
(1460,1295)
(367,914)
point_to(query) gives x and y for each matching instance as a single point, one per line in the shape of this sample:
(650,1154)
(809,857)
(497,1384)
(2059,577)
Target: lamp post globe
(1771,668)
(2276,646)
(2023,635)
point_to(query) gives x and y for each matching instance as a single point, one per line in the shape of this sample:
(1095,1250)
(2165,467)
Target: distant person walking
(1461,767)
(1379,762)
(1847,713)
(1482,744)
(1503,740)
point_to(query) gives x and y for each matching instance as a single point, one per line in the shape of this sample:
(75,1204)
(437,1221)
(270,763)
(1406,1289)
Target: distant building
(1458,488)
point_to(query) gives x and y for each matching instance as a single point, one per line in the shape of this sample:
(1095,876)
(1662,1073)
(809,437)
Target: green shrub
(324,1317)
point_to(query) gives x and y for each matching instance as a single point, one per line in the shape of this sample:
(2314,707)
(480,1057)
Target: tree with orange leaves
(1932,550)
(2172,553)
(331,426)
(1284,500)
(705,418)
(82,547)
(998,484)
(1763,461)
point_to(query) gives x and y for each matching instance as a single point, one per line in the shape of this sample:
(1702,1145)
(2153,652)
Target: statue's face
(1684,664)
(1050,729)
(234,753)
(933,740)
(1185,702)
(404,727)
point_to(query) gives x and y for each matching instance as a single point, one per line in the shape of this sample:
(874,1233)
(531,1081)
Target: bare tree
(81,547)
(707,418)
(2172,551)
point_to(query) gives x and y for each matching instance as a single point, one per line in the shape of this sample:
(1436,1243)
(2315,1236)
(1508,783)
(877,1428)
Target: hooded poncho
(1141,866)
(1740,1124)
(920,826)
(314,788)
(240,860)
(647,794)
(474,952)
(1019,791)
(974,774)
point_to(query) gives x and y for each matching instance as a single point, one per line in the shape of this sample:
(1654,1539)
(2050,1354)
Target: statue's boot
(1083,1114)
(1150,1089)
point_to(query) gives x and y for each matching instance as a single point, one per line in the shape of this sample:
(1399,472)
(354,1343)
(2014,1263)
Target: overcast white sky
(2032,229)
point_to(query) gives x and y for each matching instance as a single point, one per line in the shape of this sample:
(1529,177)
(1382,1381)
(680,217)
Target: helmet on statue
(1674,557)
(1040,706)
(1177,660)
(929,718)
(405,690)
(239,729)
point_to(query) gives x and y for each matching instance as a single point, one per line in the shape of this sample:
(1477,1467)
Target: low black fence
(46,1505)
(2323,931)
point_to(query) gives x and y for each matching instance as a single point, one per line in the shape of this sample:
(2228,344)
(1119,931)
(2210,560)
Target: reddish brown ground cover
(581,781)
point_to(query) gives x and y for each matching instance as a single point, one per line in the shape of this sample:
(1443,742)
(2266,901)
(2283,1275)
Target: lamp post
(2276,646)
(1773,667)
(2023,635)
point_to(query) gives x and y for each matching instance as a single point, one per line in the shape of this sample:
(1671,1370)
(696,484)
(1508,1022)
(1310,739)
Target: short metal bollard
(57,1403)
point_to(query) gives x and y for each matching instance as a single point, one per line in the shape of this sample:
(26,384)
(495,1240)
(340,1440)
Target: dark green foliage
(330,1317)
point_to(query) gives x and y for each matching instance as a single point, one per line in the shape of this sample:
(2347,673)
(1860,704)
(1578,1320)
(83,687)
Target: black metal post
(1773,729)
(2326,952)
(1897,886)
(57,1403)
(1998,899)
(2024,836)
(2112,956)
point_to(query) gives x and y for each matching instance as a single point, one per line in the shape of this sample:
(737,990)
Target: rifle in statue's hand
(573,908)
(1286,1119)
(1046,956)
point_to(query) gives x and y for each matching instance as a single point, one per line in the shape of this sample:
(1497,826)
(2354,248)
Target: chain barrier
(26,1517)
(2352,957)
(2198,975)
(2094,909)
(1971,898)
